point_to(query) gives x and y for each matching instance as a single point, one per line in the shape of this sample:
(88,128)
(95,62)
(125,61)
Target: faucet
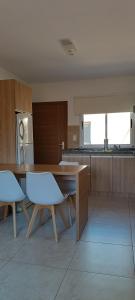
(105,144)
(116,147)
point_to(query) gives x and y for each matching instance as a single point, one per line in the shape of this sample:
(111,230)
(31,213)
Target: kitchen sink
(101,150)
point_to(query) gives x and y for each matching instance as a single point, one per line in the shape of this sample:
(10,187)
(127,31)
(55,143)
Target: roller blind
(107,104)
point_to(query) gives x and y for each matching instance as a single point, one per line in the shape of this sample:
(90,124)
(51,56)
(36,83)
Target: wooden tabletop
(55,169)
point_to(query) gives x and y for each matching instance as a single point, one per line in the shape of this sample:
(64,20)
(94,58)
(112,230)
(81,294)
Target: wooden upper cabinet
(14,96)
(7,123)
(23,97)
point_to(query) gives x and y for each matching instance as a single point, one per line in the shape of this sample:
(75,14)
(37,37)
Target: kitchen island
(78,173)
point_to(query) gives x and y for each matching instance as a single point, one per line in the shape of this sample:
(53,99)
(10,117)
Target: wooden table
(79,173)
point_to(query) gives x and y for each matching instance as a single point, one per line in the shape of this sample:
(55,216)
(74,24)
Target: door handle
(62,145)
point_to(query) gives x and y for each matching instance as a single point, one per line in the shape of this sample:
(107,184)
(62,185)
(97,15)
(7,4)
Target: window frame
(132,132)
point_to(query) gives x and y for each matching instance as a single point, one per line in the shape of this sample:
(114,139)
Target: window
(118,128)
(95,132)
(113,126)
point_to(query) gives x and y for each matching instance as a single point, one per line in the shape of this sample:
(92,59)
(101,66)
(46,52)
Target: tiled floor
(99,267)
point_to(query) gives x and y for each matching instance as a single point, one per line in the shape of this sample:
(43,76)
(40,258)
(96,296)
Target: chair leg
(61,212)
(42,216)
(25,211)
(35,211)
(73,200)
(54,222)
(5,212)
(69,201)
(14,218)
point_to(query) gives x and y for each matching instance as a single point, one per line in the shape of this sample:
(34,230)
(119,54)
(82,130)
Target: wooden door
(49,130)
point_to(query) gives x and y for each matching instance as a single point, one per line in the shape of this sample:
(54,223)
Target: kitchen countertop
(101,152)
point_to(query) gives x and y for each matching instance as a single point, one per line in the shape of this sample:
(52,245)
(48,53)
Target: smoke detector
(68,46)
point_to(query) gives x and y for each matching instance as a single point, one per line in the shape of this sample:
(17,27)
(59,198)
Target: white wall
(60,91)
(4,74)
(7,75)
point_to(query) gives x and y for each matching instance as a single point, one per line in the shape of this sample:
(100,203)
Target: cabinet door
(23,97)
(101,173)
(124,174)
(7,123)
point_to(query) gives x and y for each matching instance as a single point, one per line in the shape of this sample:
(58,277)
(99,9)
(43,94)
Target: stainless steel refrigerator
(24,139)
(24,146)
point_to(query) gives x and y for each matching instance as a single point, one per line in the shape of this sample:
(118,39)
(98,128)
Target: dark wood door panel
(50,129)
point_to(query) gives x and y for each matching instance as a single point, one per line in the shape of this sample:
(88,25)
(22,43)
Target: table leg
(82,192)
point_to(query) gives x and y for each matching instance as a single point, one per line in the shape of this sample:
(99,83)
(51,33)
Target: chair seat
(10,200)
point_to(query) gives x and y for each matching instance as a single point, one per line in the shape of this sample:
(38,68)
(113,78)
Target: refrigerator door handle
(21,130)
(22,155)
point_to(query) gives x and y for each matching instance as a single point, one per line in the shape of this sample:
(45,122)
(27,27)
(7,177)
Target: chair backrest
(10,190)
(68,163)
(42,188)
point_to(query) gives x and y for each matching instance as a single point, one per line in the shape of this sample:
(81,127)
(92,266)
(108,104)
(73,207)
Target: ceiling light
(68,46)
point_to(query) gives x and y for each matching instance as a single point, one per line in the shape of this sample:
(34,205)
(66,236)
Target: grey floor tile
(110,216)
(70,233)
(9,246)
(3,262)
(107,232)
(47,253)
(46,230)
(103,258)
(86,286)
(25,282)
(6,227)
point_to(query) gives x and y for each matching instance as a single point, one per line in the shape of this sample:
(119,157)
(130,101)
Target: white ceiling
(102,30)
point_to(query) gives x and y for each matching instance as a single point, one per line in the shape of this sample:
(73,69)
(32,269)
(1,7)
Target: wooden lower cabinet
(123,174)
(109,174)
(101,173)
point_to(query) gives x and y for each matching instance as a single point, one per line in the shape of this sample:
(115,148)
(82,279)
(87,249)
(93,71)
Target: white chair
(10,193)
(68,186)
(43,190)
